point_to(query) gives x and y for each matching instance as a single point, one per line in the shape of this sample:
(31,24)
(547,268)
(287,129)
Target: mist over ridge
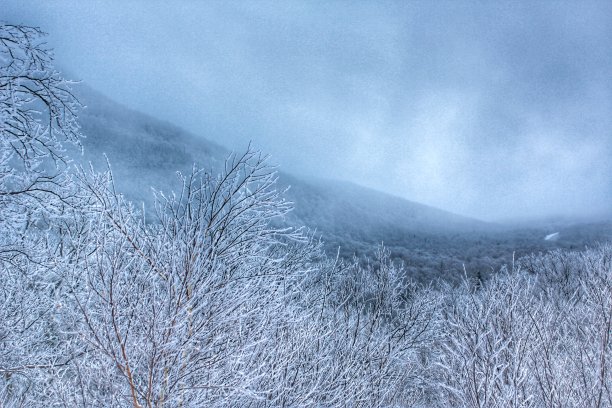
(493,111)
(146,153)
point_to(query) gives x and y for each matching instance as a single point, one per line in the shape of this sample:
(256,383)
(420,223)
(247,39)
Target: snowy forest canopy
(207,300)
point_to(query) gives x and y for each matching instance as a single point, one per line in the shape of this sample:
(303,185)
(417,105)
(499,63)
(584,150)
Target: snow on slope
(552,237)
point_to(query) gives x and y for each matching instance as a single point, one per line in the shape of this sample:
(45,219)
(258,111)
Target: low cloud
(488,110)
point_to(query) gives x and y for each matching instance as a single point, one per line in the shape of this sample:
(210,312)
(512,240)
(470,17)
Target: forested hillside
(205,299)
(146,153)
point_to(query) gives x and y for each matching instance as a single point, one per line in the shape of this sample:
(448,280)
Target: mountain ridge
(146,152)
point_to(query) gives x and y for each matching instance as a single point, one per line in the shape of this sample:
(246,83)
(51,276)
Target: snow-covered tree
(207,299)
(536,336)
(37,115)
(172,309)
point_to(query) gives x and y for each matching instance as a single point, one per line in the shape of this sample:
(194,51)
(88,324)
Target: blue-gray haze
(493,110)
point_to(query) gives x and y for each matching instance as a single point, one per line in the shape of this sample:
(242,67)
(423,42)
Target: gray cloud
(489,110)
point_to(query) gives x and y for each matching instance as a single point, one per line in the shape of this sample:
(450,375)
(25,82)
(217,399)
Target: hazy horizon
(486,110)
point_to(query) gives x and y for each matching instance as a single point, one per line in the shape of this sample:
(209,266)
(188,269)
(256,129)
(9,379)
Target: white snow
(552,237)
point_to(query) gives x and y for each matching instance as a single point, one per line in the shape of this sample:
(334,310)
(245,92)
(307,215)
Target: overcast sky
(487,109)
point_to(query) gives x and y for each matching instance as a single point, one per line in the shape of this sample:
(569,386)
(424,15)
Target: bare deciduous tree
(37,113)
(175,307)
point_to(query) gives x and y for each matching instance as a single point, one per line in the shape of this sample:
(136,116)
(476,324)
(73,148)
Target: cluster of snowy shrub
(204,300)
